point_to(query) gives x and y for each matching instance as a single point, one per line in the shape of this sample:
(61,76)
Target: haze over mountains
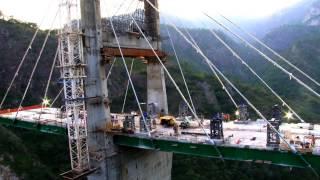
(305,12)
(294,33)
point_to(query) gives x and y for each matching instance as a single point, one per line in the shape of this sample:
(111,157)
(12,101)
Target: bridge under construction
(139,144)
(243,141)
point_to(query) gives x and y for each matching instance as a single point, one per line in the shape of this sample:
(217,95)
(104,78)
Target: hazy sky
(35,10)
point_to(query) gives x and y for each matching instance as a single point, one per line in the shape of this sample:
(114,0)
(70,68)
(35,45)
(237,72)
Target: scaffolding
(124,24)
(72,69)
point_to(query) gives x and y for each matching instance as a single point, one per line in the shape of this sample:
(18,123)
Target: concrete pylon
(118,163)
(100,147)
(156,83)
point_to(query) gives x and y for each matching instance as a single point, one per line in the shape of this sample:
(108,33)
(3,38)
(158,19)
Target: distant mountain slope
(304,12)
(284,37)
(293,15)
(312,17)
(32,156)
(38,156)
(298,43)
(14,39)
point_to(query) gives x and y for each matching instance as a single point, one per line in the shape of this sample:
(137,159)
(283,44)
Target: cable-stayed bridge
(139,145)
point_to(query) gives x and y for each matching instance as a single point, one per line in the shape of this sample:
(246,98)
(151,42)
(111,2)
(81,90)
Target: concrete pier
(113,162)
(137,164)
(157,93)
(98,110)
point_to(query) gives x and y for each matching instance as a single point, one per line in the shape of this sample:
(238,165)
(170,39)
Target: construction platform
(246,142)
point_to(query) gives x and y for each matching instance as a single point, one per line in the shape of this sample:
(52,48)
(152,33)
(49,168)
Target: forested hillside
(49,154)
(298,43)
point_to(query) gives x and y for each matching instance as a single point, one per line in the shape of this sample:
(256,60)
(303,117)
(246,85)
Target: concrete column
(117,163)
(145,165)
(98,109)
(156,79)
(152,19)
(156,85)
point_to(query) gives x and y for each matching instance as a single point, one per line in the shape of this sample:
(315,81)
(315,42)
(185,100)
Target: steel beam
(281,158)
(40,127)
(108,52)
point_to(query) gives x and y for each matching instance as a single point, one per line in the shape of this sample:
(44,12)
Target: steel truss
(73,73)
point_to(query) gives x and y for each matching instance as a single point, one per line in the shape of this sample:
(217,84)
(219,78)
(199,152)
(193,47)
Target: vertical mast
(73,74)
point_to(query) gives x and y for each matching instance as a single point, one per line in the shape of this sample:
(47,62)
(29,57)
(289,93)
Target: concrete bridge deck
(242,142)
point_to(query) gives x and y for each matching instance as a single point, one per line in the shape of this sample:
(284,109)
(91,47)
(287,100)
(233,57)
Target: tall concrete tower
(112,162)
(156,79)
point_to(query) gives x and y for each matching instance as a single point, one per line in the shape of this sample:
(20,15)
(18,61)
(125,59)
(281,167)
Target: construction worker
(161,113)
(176,129)
(313,141)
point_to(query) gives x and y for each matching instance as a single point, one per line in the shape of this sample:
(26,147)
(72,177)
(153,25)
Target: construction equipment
(273,139)
(216,127)
(185,124)
(115,123)
(167,120)
(243,112)
(129,124)
(145,123)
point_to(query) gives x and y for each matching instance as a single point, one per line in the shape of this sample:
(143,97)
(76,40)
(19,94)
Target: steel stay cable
(110,70)
(180,68)
(19,67)
(216,75)
(127,89)
(45,98)
(56,98)
(35,66)
(130,80)
(177,87)
(32,73)
(21,62)
(126,68)
(265,56)
(214,68)
(271,50)
(251,105)
(292,148)
(258,112)
(255,73)
(51,72)
(121,5)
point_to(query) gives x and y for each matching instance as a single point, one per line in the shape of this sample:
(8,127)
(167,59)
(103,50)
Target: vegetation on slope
(197,168)
(39,156)
(33,156)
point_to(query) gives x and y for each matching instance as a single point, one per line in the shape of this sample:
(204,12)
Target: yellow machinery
(167,120)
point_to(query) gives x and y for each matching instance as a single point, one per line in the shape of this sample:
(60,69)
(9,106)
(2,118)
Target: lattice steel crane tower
(72,68)
(84,54)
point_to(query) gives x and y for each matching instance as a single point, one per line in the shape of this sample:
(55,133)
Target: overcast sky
(36,10)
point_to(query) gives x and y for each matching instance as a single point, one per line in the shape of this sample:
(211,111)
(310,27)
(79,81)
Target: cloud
(36,10)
